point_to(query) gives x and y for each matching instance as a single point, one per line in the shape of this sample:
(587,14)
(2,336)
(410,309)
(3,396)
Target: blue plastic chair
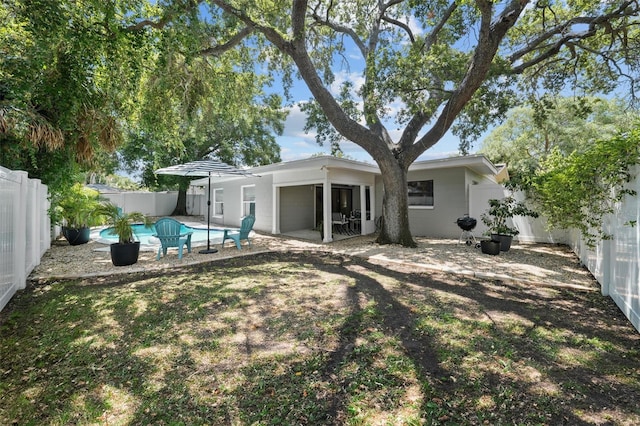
(243,234)
(168,232)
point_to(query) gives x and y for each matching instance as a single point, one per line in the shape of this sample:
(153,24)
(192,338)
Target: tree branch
(166,18)
(492,32)
(272,35)
(384,17)
(594,23)
(433,35)
(230,44)
(341,29)
(402,25)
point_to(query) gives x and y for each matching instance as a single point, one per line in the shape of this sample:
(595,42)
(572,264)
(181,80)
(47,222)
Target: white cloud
(341,76)
(415,26)
(294,124)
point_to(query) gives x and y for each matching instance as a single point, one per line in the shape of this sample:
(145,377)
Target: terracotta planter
(490,247)
(125,254)
(76,236)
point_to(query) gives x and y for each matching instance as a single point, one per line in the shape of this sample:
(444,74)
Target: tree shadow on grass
(585,360)
(471,351)
(528,374)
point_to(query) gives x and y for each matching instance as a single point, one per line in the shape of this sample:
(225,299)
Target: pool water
(145,235)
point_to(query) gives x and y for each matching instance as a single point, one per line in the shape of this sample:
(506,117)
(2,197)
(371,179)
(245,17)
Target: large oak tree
(452,65)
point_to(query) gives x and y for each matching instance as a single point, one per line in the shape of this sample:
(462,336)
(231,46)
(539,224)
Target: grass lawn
(302,338)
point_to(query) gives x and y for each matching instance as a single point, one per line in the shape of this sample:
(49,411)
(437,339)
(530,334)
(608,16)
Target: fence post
(20,226)
(45,221)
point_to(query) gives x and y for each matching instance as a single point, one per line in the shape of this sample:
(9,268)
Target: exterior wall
(449,203)
(456,191)
(196,203)
(297,208)
(299,177)
(233,202)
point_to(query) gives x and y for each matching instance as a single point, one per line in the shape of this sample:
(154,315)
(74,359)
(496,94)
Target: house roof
(478,163)
(319,161)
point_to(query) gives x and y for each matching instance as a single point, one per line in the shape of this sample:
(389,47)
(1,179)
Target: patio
(527,264)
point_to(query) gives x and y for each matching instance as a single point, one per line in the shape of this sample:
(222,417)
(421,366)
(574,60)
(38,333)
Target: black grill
(466,223)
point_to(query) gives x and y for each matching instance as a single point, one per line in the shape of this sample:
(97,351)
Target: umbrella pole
(209,250)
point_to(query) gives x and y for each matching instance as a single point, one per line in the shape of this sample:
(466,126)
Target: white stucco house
(298,195)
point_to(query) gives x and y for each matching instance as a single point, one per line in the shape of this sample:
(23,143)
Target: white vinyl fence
(25,229)
(147,203)
(615,263)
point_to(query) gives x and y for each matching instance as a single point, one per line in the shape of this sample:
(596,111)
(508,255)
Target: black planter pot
(125,254)
(76,236)
(490,247)
(505,241)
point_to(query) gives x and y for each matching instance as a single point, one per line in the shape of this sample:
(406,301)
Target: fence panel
(147,203)
(615,263)
(9,194)
(24,229)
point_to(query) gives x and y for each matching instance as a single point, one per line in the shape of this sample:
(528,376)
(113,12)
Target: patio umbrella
(204,168)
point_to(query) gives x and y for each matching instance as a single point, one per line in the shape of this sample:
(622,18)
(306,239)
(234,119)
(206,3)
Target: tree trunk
(395,206)
(181,205)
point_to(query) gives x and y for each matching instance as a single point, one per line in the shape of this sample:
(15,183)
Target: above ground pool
(145,235)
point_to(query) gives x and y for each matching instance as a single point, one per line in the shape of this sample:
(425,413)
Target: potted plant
(491,247)
(76,210)
(126,250)
(496,219)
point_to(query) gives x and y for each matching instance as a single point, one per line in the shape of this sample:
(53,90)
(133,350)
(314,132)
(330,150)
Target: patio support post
(326,209)
(275,223)
(363,207)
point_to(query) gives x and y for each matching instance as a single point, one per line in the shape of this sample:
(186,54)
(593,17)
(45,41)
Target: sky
(295,144)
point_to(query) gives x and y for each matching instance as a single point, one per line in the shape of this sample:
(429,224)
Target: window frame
(423,206)
(216,202)
(244,202)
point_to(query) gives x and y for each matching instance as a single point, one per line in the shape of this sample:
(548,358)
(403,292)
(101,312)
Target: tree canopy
(565,124)
(78,79)
(578,190)
(66,76)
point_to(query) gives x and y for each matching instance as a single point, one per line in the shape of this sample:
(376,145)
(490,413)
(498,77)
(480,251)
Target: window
(249,200)
(218,202)
(421,193)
